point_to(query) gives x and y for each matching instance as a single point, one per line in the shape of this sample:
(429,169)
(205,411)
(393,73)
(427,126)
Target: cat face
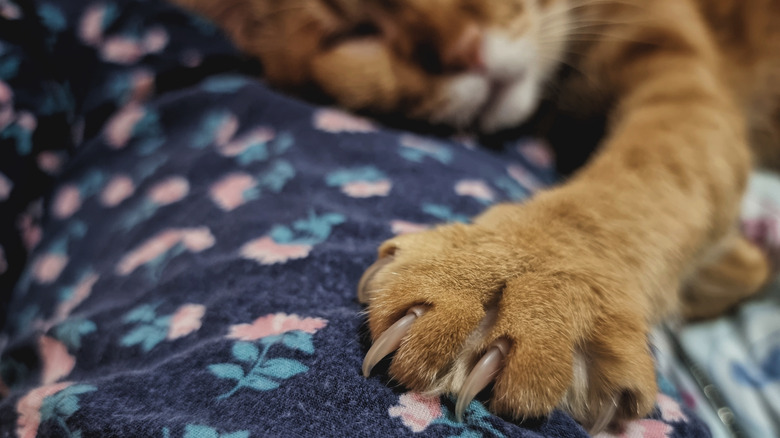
(464,63)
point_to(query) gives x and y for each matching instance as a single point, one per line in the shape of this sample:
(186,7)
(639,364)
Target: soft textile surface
(740,353)
(195,271)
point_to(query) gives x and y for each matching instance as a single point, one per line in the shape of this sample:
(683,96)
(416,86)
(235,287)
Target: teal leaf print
(148,336)
(275,178)
(224,84)
(298,340)
(512,188)
(9,66)
(281,368)
(476,416)
(282,143)
(245,351)
(259,383)
(309,231)
(143,313)
(444,213)
(264,373)
(198,431)
(255,152)
(60,406)
(346,176)
(52,17)
(151,329)
(281,234)
(71,331)
(317,228)
(193,431)
(227,371)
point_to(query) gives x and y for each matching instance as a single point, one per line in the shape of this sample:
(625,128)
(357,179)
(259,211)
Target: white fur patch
(465,95)
(511,105)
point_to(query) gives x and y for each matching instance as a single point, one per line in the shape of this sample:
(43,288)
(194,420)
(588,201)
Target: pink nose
(466,52)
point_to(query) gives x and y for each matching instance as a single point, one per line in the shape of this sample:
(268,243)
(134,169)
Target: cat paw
(516,305)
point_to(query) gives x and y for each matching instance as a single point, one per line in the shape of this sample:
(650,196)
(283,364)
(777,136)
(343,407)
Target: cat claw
(363,293)
(390,340)
(605,417)
(481,375)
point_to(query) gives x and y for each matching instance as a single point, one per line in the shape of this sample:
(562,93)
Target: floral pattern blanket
(180,246)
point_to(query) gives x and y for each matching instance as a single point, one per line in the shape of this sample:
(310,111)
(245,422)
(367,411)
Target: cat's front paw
(517,303)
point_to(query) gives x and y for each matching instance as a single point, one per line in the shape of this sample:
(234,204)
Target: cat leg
(736,273)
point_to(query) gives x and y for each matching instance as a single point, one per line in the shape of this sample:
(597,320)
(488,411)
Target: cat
(553,299)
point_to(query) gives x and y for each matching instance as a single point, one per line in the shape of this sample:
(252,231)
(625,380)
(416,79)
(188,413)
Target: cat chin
(510,105)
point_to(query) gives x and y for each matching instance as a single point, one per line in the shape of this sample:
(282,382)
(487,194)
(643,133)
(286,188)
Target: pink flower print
(57,363)
(335,121)
(50,162)
(524,177)
(474,188)
(468,141)
(6,107)
(267,252)
(416,411)
(9,10)
(155,40)
(91,25)
(197,239)
(6,114)
(81,292)
(670,410)
(367,189)
(119,188)
(142,85)
(404,227)
(47,267)
(191,58)
(642,429)
(29,409)
(168,191)
(121,50)
(194,239)
(226,130)
(239,145)
(186,320)
(228,193)
(120,127)
(5,187)
(148,251)
(31,233)
(3,261)
(67,201)
(421,144)
(537,153)
(275,324)
(27,121)
(6,94)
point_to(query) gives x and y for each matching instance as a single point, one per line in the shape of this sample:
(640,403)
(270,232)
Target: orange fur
(578,275)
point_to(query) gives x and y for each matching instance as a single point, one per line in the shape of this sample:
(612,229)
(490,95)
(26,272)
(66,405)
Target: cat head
(463,63)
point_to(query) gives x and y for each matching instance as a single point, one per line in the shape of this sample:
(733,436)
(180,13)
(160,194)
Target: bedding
(180,246)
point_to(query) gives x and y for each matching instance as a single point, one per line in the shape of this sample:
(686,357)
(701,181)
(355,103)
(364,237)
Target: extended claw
(481,375)
(604,419)
(390,339)
(363,293)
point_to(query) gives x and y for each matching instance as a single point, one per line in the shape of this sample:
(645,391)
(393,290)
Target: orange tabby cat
(560,292)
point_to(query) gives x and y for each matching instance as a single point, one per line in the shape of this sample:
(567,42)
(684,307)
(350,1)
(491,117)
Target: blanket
(180,245)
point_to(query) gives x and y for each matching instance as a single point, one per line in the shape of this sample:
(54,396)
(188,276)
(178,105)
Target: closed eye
(360,30)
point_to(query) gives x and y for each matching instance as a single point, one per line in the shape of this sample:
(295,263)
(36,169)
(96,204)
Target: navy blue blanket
(191,268)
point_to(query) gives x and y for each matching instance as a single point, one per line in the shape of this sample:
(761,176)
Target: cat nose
(466,52)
